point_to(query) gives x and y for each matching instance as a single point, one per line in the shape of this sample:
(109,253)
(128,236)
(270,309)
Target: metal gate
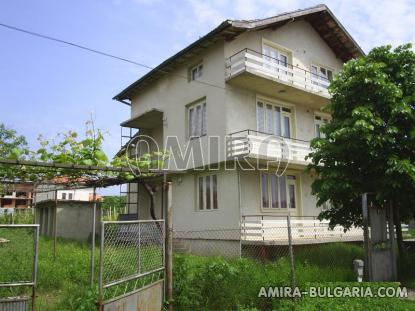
(19,253)
(132,265)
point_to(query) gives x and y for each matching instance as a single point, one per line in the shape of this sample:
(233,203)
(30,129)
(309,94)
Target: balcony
(273,230)
(263,146)
(252,70)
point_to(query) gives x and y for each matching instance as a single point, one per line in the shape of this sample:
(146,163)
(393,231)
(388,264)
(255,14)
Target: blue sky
(47,88)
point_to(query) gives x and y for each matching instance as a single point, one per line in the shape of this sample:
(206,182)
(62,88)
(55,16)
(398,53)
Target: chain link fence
(300,241)
(19,253)
(132,256)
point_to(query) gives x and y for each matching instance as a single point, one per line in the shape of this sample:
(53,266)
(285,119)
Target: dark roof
(320,17)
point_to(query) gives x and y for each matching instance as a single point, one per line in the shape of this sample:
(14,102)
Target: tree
(370,142)
(12,145)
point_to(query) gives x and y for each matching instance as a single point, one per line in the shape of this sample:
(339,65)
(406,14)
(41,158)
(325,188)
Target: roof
(320,17)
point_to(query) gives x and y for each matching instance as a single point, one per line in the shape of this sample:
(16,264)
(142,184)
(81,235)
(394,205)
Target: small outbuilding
(73,219)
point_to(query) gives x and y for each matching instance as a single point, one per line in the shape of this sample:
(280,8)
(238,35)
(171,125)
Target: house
(236,110)
(17,195)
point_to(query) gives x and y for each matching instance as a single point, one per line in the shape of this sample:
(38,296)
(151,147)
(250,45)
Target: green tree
(12,145)
(370,142)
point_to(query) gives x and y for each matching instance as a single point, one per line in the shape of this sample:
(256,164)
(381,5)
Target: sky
(48,88)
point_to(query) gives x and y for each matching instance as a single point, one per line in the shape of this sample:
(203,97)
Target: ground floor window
(208,192)
(278,191)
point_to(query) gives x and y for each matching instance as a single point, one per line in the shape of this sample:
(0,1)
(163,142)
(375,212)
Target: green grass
(410,234)
(200,283)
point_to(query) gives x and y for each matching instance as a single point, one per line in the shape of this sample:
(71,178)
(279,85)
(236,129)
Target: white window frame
(283,114)
(196,72)
(319,120)
(200,128)
(288,182)
(316,75)
(202,202)
(63,195)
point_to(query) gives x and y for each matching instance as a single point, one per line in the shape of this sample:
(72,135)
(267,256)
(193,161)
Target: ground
(211,283)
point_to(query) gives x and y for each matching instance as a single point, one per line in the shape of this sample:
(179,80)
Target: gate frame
(33,282)
(102,286)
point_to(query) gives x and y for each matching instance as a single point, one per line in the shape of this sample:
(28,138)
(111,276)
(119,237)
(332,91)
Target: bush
(215,283)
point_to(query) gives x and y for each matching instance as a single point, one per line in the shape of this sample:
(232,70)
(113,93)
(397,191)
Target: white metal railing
(260,145)
(274,69)
(304,230)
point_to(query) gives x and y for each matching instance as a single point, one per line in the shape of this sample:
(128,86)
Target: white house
(247,90)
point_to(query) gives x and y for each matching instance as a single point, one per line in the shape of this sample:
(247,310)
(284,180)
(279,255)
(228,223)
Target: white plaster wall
(299,37)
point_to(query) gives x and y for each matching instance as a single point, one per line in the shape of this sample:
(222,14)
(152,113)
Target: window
(278,191)
(64,196)
(196,72)
(197,120)
(70,196)
(318,122)
(274,120)
(208,192)
(275,58)
(321,76)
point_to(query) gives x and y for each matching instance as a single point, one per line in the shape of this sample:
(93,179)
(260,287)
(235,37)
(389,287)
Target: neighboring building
(262,83)
(73,220)
(74,211)
(82,194)
(17,195)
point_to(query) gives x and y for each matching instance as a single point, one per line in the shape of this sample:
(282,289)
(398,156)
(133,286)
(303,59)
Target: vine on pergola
(60,155)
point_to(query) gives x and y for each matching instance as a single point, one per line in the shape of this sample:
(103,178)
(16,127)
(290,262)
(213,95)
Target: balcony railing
(248,60)
(304,230)
(259,145)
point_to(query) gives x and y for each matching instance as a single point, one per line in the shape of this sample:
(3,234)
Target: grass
(410,234)
(200,283)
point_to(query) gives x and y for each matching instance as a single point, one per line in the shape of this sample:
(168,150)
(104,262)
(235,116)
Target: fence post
(101,265)
(168,245)
(35,259)
(94,217)
(55,225)
(291,253)
(367,273)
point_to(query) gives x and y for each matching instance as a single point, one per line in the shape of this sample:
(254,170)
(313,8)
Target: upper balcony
(268,148)
(270,76)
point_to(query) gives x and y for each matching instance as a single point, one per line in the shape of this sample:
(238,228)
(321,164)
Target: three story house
(250,91)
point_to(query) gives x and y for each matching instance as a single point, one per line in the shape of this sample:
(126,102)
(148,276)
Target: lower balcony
(263,146)
(274,230)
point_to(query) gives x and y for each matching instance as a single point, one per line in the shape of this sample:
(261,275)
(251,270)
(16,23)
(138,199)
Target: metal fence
(299,241)
(131,257)
(19,253)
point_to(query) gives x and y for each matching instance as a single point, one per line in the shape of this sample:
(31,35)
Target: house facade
(236,111)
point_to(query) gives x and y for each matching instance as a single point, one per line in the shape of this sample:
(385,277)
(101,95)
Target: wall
(299,37)
(172,93)
(74,219)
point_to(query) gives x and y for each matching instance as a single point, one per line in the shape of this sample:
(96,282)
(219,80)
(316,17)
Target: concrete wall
(74,219)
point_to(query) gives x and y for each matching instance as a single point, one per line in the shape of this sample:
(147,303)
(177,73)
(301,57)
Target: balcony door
(274,119)
(275,60)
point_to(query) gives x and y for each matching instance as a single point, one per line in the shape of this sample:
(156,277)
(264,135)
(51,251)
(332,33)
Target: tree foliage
(70,148)
(370,142)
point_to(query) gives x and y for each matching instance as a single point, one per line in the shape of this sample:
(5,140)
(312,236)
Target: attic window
(196,72)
